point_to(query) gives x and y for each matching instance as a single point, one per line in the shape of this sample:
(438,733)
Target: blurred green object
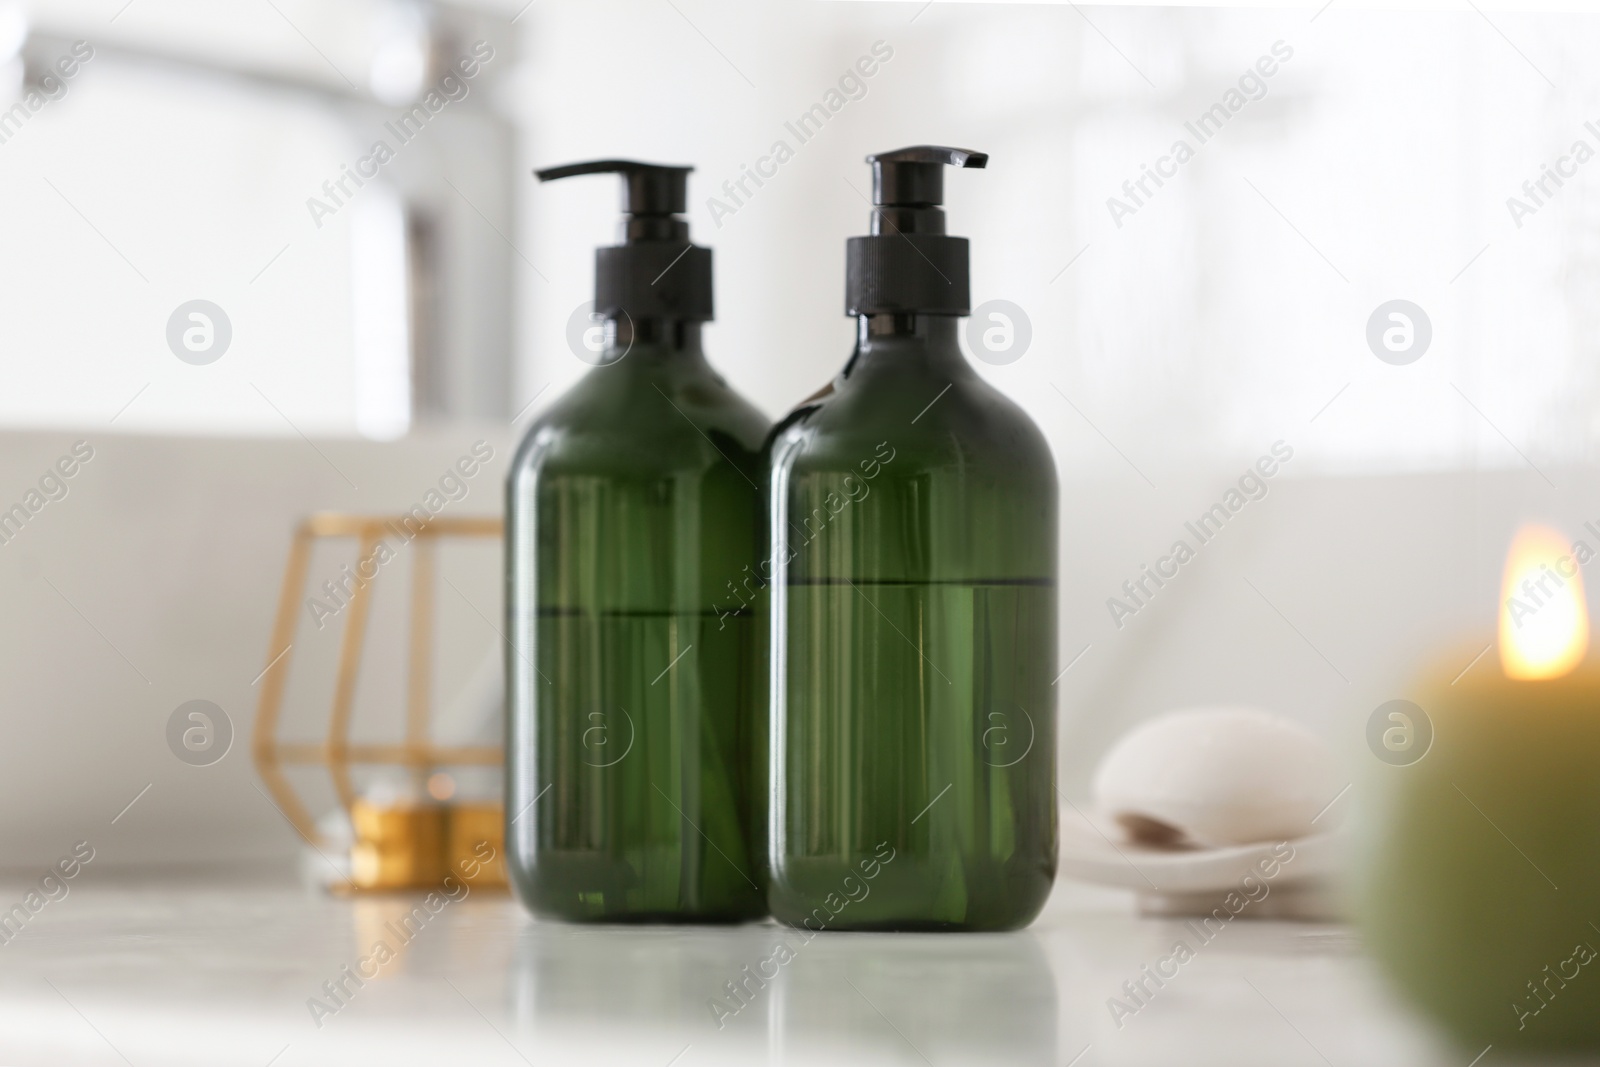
(632,510)
(1481,897)
(914,646)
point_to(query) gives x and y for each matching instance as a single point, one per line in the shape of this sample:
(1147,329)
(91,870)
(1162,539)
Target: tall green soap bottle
(631,505)
(912,608)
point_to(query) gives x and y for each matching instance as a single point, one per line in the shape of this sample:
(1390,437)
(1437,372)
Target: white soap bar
(1215,776)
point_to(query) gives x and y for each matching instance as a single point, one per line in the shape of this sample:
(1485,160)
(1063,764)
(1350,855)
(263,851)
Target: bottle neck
(653,338)
(894,336)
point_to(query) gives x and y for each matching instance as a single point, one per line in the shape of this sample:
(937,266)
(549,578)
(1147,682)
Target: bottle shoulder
(644,418)
(930,417)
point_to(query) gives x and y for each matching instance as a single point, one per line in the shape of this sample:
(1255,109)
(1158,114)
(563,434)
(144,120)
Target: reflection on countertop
(208,970)
(806,997)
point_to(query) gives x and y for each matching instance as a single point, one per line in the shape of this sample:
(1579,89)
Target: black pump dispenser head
(908,264)
(655,273)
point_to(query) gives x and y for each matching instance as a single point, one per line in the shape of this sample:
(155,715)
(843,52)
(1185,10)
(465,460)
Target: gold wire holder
(335,751)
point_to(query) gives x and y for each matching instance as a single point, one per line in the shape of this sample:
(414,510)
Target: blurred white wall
(154,581)
(1373,164)
(1228,312)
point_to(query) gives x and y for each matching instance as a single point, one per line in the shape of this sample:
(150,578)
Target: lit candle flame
(1544,626)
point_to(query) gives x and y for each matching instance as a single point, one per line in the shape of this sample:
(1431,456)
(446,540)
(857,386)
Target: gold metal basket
(412,845)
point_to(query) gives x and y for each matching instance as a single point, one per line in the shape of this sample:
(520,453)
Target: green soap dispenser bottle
(912,608)
(631,504)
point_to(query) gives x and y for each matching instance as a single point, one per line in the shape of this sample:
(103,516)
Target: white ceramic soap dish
(1273,880)
(1209,807)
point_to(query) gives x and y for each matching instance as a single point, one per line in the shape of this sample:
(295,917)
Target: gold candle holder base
(397,847)
(414,845)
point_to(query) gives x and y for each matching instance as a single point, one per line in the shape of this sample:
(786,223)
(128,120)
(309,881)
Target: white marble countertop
(175,970)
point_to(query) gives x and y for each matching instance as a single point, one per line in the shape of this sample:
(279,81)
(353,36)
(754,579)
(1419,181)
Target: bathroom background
(1165,334)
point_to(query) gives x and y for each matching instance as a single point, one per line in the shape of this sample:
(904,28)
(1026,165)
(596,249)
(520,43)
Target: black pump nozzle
(649,189)
(651,194)
(914,178)
(655,273)
(908,264)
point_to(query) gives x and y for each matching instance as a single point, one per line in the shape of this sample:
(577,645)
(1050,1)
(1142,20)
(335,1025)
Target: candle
(1481,897)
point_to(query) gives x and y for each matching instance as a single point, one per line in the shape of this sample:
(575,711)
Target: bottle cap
(656,273)
(908,263)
